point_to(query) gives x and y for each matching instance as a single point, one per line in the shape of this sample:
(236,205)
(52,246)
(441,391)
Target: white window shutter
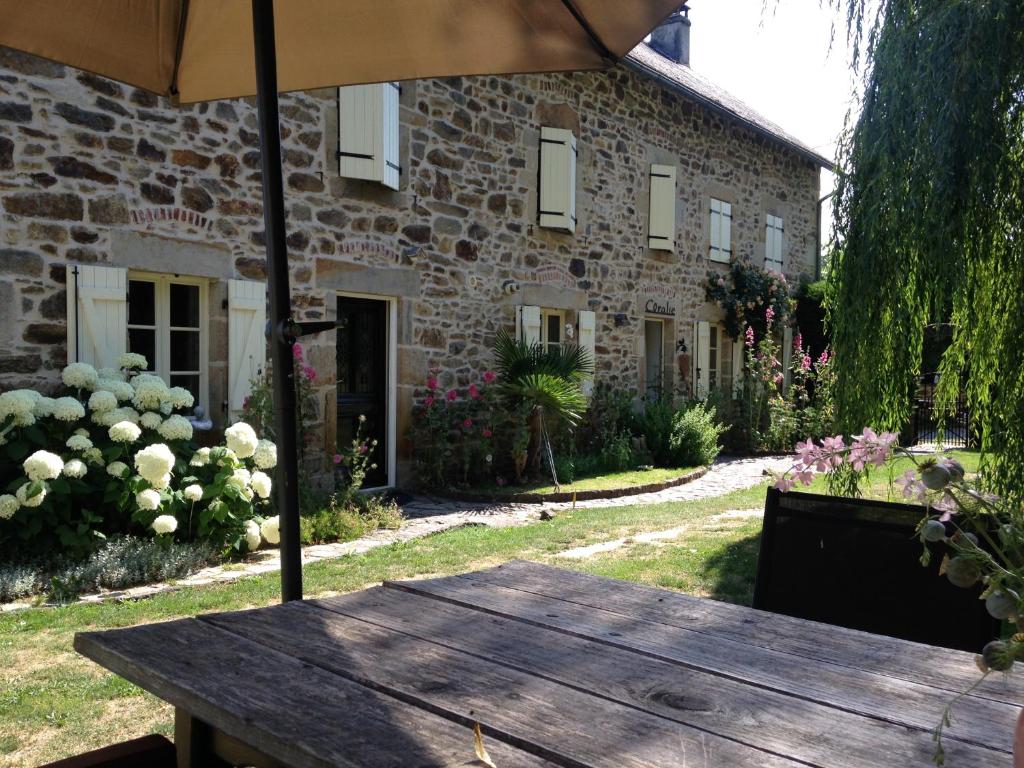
(738,355)
(368,133)
(247,341)
(773,242)
(586,325)
(97,306)
(528,324)
(557,195)
(702,359)
(661,229)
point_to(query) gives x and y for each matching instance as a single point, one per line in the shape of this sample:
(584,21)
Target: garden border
(563,496)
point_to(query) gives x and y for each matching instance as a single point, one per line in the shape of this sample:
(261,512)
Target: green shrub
(348,517)
(118,563)
(565,468)
(695,436)
(654,425)
(617,453)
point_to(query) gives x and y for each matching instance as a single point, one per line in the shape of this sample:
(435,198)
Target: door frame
(392,377)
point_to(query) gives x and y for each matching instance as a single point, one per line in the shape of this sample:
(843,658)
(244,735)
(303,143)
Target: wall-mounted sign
(655,307)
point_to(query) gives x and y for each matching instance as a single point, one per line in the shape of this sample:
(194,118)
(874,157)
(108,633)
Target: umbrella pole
(287,476)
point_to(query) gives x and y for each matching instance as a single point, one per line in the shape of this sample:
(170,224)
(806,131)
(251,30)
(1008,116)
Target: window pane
(143,341)
(188,381)
(184,350)
(554,329)
(141,302)
(184,306)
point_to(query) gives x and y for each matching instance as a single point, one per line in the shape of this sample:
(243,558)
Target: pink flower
(467,423)
(336,458)
(721,282)
(798,342)
(823,360)
(297,351)
(807,451)
(750,336)
(451,396)
(778,379)
(245,402)
(805,476)
(769,315)
(310,372)
(487,432)
(431,383)
(785,483)
(363,448)
(428,400)
(489,377)
(473,392)
(805,363)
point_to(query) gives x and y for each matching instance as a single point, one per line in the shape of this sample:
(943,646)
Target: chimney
(672,38)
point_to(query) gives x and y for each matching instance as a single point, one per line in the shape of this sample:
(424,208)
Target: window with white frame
(721,231)
(552,327)
(773,242)
(168,324)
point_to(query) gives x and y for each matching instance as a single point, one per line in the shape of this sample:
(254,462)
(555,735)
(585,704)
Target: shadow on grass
(729,573)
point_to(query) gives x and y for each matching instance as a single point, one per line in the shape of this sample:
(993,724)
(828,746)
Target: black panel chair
(152,751)
(855,563)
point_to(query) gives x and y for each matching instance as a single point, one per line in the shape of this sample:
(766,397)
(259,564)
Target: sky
(775,55)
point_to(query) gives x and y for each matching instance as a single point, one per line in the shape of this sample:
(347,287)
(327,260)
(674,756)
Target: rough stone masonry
(96,172)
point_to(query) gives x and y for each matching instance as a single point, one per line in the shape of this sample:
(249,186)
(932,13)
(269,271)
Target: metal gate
(931,426)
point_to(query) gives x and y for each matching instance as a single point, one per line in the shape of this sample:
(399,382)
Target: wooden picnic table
(558,668)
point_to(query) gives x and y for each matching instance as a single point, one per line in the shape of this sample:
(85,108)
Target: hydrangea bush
(114,454)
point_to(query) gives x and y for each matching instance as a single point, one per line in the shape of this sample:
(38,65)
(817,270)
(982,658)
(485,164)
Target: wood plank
(284,708)
(944,668)
(563,724)
(811,733)
(985,722)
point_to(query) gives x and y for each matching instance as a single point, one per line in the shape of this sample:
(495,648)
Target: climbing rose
(473,392)
(452,395)
(431,383)
(297,351)
(490,376)
(428,401)
(467,423)
(487,433)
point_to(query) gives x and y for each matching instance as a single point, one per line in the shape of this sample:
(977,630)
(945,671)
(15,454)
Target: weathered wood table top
(558,668)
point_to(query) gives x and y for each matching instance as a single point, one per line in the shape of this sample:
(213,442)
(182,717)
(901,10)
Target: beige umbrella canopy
(323,42)
(197,50)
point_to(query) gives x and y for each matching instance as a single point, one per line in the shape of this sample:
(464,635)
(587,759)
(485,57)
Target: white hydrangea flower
(124,432)
(166,408)
(22,497)
(260,482)
(78,442)
(101,400)
(109,374)
(43,407)
(165,524)
(151,420)
(68,409)
(93,456)
(252,534)
(265,456)
(110,418)
(75,468)
(239,478)
(193,492)
(122,390)
(43,465)
(150,391)
(19,403)
(161,482)
(226,456)
(200,458)
(9,504)
(176,427)
(148,499)
(81,431)
(179,397)
(117,469)
(79,376)
(154,461)
(271,530)
(241,438)
(133,361)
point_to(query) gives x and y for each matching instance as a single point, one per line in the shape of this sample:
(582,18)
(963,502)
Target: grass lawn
(627,479)
(54,703)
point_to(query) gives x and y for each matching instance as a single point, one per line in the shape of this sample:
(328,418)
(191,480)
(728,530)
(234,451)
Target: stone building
(582,207)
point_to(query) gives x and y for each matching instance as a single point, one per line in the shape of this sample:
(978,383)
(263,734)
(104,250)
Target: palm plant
(547,382)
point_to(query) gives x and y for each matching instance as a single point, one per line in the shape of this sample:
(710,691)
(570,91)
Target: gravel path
(426,515)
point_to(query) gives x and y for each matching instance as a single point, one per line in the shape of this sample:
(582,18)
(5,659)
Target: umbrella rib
(602,49)
(178,45)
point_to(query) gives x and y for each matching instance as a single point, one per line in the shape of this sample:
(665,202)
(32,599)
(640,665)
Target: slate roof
(681,78)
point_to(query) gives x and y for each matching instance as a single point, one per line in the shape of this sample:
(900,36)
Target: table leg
(200,745)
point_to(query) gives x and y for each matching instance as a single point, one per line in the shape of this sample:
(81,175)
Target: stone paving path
(426,515)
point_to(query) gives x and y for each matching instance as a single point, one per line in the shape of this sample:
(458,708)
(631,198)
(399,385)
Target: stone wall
(92,171)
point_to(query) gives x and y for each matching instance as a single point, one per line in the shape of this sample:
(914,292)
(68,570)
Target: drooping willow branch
(929,218)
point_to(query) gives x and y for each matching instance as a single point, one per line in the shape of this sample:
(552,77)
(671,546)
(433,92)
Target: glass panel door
(654,351)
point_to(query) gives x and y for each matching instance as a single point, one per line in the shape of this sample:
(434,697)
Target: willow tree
(930,213)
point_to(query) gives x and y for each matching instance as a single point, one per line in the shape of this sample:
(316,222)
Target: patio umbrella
(196,50)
